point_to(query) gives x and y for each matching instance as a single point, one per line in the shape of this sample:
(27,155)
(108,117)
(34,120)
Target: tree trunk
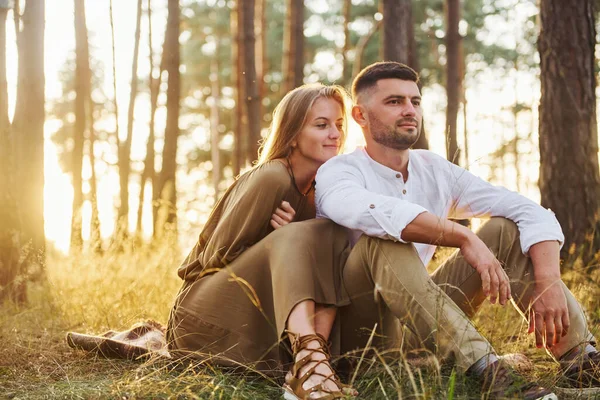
(28,124)
(10,235)
(293,46)
(82,69)
(250,85)
(125,146)
(148,173)
(452,78)
(214,125)
(569,178)
(261,55)
(397,22)
(347,68)
(362,45)
(167,184)
(114,84)
(236,56)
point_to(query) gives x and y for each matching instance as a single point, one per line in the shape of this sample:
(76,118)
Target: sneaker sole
(571,393)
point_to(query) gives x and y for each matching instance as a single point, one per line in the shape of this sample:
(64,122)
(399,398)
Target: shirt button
(372,206)
(403,191)
(398,175)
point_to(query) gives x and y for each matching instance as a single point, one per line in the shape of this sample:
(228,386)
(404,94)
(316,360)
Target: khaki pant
(388,284)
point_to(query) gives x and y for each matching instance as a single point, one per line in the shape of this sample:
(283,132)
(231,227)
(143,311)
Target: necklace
(312,185)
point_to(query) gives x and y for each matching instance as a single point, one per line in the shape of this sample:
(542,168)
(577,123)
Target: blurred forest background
(120,123)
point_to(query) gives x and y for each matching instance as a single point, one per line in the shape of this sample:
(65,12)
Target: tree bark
(214,126)
(293,46)
(148,173)
(252,103)
(453,79)
(397,22)
(167,182)
(125,146)
(261,55)
(347,68)
(236,56)
(10,235)
(569,178)
(28,124)
(82,69)
(114,84)
(362,45)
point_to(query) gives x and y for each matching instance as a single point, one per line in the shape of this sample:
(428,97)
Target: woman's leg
(306,318)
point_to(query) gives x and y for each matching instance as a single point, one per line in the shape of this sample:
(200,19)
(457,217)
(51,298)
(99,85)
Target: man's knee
(395,250)
(499,227)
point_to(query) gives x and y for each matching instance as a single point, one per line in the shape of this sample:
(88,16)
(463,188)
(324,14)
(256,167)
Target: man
(396,203)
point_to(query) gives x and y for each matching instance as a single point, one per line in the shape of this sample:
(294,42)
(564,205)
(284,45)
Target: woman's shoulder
(272,172)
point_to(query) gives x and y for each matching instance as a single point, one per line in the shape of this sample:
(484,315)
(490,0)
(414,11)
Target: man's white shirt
(369,198)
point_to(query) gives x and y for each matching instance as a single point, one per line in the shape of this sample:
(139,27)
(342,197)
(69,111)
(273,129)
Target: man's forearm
(545,257)
(431,229)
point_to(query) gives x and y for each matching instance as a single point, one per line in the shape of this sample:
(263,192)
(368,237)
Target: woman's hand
(283,215)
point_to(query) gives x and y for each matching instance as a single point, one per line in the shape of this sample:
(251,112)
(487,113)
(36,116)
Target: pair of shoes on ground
(581,377)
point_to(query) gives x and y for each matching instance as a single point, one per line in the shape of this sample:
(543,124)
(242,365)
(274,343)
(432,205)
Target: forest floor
(91,293)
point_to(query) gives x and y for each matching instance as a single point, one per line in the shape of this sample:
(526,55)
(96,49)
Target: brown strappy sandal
(293,389)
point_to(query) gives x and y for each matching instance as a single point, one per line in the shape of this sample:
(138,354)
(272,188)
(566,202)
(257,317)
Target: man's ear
(359,116)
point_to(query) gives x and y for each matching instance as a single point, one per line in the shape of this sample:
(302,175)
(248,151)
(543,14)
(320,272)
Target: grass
(89,292)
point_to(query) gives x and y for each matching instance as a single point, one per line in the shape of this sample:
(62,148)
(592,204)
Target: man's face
(392,110)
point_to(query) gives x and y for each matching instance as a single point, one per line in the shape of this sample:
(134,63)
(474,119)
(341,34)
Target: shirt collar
(382,169)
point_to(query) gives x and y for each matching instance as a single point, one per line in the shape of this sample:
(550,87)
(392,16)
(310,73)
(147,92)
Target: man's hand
(494,281)
(283,215)
(548,314)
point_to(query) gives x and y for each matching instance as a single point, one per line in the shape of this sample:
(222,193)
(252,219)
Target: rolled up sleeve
(341,196)
(474,197)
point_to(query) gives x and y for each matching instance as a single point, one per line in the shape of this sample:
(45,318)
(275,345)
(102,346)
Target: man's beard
(394,136)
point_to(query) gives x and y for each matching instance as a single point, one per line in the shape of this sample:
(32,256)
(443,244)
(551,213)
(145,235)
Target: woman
(253,279)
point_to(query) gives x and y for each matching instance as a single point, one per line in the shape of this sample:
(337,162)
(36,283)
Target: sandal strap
(299,342)
(295,382)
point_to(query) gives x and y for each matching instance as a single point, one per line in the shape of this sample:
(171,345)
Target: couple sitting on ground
(265,271)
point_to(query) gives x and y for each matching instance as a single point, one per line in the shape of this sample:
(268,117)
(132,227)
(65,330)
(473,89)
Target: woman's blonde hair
(290,116)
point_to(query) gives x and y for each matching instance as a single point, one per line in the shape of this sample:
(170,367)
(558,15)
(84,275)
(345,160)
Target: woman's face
(319,139)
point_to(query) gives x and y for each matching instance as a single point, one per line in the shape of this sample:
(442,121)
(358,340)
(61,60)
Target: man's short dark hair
(369,76)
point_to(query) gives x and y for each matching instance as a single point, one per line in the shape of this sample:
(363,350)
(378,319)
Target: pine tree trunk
(236,56)
(115,101)
(167,182)
(10,235)
(347,68)
(28,127)
(125,146)
(81,77)
(452,78)
(261,55)
(293,46)
(569,178)
(148,173)
(362,45)
(397,21)
(214,126)
(252,102)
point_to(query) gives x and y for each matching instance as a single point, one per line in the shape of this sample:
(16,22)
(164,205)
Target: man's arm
(428,228)
(549,315)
